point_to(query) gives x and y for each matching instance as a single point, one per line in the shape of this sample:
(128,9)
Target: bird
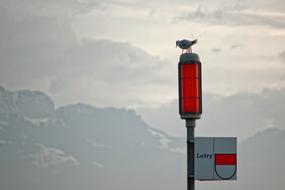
(186,45)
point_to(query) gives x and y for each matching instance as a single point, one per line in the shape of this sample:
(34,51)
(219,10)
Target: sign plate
(215,158)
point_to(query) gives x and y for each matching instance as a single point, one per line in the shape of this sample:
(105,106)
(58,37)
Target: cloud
(235,46)
(52,157)
(216,50)
(116,72)
(41,47)
(231,17)
(273,5)
(97,164)
(282,56)
(44,53)
(94,143)
(52,8)
(241,114)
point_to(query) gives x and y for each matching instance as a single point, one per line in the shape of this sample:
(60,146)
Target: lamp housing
(190,86)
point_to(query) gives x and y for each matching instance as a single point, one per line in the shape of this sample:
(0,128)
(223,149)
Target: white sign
(215,158)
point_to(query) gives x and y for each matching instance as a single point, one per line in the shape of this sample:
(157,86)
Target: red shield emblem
(225,165)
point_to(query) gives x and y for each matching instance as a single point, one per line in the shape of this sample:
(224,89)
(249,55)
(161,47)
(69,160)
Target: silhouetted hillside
(84,147)
(80,146)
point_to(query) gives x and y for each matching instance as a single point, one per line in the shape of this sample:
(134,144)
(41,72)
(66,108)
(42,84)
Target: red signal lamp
(190,86)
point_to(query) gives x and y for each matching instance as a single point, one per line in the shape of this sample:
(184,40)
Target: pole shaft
(190,125)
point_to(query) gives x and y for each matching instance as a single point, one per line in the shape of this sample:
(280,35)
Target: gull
(185,45)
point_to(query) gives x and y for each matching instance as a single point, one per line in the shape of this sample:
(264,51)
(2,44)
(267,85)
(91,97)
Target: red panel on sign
(225,159)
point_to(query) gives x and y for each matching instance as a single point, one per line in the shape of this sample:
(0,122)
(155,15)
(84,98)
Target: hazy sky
(122,52)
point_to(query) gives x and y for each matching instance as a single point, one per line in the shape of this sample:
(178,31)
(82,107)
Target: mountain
(80,146)
(83,147)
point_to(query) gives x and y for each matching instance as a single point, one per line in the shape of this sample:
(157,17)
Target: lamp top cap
(189,57)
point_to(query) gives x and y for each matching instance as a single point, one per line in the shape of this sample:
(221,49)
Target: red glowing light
(190,88)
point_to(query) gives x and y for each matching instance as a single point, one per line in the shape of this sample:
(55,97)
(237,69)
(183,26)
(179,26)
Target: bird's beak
(176,45)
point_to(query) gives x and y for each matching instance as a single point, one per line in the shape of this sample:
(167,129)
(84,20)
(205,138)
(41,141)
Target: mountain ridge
(81,146)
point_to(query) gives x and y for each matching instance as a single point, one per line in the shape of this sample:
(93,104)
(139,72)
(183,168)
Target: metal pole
(190,125)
